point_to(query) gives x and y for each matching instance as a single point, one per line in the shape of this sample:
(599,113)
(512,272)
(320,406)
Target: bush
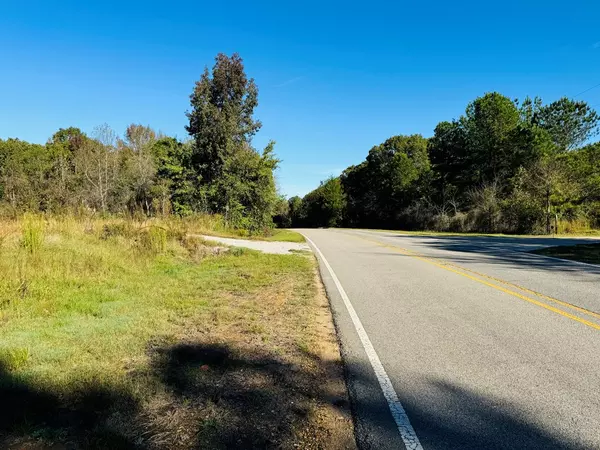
(459,223)
(124,229)
(521,215)
(154,239)
(440,222)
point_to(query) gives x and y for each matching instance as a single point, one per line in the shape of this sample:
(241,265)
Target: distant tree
(295,211)
(232,178)
(492,125)
(97,162)
(448,155)
(221,119)
(324,207)
(529,109)
(281,215)
(62,147)
(23,174)
(174,189)
(569,123)
(139,163)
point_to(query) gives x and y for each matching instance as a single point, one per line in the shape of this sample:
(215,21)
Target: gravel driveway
(278,248)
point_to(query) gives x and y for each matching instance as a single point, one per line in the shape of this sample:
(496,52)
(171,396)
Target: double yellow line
(481,278)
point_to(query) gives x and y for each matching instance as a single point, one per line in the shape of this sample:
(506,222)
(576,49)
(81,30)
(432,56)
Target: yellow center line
(461,271)
(531,291)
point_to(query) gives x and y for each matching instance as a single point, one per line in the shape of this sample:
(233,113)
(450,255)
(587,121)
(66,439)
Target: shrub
(154,239)
(124,229)
(459,223)
(440,222)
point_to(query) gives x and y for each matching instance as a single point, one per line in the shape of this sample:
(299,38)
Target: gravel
(277,248)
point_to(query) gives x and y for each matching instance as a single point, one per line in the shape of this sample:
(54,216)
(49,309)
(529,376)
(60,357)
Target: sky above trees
(334,77)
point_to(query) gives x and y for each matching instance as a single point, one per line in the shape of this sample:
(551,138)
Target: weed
(239,251)
(157,239)
(13,359)
(32,233)
(124,229)
(77,320)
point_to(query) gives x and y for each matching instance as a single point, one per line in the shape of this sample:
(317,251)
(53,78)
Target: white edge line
(406,430)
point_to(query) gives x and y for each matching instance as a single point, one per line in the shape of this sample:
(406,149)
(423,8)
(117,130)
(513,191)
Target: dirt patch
(258,383)
(335,416)
(273,247)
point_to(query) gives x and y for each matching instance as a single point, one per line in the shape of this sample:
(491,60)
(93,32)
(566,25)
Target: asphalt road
(484,345)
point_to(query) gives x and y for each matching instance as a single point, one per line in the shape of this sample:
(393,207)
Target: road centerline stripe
(459,270)
(405,428)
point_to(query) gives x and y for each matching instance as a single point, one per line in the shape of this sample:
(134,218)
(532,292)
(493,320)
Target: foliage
(144,173)
(93,349)
(503,166)
(570,123)
(324,206)
(232,178)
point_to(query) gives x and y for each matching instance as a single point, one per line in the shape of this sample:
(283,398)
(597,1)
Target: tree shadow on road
(509,251)
(447,416)
(458,417)
(217,398)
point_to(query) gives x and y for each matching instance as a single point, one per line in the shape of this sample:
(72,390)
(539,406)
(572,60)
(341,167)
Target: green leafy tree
(232,177)
(62,177)
(324,207)
(492,125)
(388,181)
(221,119)
(296,211)
(174,189)
(448,155)
(569,123)
(23,174)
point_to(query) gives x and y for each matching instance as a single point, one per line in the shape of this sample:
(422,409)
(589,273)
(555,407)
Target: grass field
(587,253)
(122,335)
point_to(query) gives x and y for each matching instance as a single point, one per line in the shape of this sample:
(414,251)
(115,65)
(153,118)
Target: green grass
(587,253)
(81,314)
(285,235)
(67,303)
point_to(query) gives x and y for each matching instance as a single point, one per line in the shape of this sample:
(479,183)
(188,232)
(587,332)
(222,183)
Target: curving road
(455,342)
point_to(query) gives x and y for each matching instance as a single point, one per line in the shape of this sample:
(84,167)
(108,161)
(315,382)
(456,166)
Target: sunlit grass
(84,304)
(285,235)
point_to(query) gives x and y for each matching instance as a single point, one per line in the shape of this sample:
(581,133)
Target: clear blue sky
(335,78)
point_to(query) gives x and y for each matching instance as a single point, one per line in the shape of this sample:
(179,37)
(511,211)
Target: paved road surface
(485,346)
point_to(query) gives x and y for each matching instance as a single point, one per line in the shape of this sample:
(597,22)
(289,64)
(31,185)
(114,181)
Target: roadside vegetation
(144,173)
(121,328)
(505,166)
(124,334)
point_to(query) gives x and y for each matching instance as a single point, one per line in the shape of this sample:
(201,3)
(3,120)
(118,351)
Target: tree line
(216,170)
(503,166)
